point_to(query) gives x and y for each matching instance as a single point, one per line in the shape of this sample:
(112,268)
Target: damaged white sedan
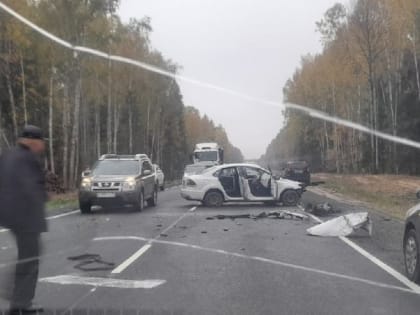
(240,183)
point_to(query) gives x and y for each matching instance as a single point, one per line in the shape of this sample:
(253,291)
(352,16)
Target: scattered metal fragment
(283,214)
(225,230)
(321,209)
(183,227)
(159,225)
(164,235)
(349,224)
(203,232)
(91,262)
(232,216)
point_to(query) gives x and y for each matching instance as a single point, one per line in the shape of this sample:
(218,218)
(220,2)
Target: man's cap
(32,132)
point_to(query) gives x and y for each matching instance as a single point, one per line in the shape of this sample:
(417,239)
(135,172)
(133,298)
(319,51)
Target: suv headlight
(129,184)
(86,183)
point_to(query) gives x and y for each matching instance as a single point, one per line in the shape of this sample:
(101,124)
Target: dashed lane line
(130,260)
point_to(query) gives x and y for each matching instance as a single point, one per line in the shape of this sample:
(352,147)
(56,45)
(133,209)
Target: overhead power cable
(302,109)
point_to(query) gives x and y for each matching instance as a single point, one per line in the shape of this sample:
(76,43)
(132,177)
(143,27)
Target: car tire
(85,207)
(140,205)
(411,256)
(213,198)
(290,198)
(152,202)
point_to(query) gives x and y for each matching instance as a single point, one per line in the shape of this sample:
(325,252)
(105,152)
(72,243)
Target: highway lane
(175,261)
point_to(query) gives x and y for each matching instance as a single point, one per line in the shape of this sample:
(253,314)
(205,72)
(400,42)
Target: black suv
(117,180)
(298,171)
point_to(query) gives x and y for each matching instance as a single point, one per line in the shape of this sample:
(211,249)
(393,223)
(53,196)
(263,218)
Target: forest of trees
(89,106)
(368,73)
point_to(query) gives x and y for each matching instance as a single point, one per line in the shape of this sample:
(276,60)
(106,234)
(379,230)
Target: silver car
(117,180)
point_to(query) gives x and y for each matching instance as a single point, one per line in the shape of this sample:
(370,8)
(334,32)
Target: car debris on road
(346,225)
(283,214)
(321,209)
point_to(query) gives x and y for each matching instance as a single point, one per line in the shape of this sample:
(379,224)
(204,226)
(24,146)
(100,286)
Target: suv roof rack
(123,156)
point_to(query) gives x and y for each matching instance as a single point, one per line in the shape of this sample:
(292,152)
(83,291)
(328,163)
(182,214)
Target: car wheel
(85,207)
(290,198)
(411,256)
(140,205)
(152,202)
(213,199)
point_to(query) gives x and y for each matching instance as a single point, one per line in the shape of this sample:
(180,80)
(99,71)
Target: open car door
(256,184)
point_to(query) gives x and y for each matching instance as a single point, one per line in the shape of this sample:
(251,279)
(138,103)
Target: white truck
(208,154)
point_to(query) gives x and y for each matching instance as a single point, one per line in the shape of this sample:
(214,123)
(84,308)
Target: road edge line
(51,218)
(388,269)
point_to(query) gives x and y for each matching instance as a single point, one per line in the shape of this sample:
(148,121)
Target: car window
(147,166)
(251,172)
(230,171)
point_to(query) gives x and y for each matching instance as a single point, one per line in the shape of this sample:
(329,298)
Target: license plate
(105,195)
(298,171)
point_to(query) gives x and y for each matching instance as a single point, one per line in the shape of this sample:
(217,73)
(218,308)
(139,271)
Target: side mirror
(418,194)
(86,173)
(147,172)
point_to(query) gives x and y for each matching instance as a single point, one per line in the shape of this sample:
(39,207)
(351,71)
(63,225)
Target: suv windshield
(117,167)
(206,156)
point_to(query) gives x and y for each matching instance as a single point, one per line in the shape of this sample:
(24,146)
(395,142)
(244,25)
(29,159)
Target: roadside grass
(391,195)
(67,201)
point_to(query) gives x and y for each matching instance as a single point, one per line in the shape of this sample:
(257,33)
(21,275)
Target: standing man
(22,202)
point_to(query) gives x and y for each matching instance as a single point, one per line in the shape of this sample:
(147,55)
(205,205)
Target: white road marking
(51,218)
(193,209)
(62,215)
(125,264)
(375,260)
(262,259)
(131,259)
(103,282)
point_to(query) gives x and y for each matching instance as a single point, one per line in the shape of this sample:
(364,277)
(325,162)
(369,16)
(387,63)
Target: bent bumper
(119,198)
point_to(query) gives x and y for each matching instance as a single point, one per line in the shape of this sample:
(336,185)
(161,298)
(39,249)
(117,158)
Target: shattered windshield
(277,146)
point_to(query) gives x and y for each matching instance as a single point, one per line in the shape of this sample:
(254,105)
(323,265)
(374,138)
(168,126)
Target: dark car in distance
(297,171)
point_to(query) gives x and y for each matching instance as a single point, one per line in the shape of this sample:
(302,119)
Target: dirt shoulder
(391,195)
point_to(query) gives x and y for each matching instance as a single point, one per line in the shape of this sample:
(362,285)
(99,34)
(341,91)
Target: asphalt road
(172,259)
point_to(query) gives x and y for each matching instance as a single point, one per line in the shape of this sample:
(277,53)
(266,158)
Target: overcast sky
(251,46)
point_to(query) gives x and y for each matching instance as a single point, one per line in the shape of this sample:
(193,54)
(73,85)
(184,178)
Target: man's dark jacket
(22,191)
